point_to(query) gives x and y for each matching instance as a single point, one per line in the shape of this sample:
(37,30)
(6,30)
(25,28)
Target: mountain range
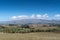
(34,21)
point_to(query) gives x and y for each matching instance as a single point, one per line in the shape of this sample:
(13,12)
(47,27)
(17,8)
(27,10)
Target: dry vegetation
(30,36)
(26,32)
(15,28)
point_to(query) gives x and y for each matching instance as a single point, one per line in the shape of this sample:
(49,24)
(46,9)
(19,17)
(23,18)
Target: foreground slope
(30,36)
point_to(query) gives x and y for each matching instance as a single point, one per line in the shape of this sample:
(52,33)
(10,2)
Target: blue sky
(16,8)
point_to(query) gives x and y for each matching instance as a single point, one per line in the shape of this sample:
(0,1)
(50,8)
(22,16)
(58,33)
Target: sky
(29,9)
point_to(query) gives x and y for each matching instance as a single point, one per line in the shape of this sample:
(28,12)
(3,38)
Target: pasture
(30,36)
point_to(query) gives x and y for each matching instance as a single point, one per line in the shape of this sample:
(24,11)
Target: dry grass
(30,36)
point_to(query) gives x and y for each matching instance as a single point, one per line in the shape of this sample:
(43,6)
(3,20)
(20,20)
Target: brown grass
(30,36)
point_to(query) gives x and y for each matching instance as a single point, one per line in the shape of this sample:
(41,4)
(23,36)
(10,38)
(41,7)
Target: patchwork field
(30,36)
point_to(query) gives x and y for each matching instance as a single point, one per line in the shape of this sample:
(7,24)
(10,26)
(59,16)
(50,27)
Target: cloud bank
(37,16)
(57,16)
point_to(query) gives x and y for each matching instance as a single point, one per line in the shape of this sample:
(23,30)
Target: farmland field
(30,36)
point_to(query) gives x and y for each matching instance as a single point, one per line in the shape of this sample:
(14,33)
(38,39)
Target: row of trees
(26,29)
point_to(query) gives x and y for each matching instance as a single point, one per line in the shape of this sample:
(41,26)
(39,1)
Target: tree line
(24,28)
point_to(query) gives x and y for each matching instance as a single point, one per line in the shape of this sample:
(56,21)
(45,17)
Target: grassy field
(30,36)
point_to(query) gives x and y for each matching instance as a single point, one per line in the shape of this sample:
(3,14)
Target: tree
(25,26)
(11,24)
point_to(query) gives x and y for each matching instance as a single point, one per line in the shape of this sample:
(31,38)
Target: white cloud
(33,16)
(22,17)
(45,16)
(14,17)
(57,15)
(37,16)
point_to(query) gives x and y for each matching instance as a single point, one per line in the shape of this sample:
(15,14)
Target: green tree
(25,26)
